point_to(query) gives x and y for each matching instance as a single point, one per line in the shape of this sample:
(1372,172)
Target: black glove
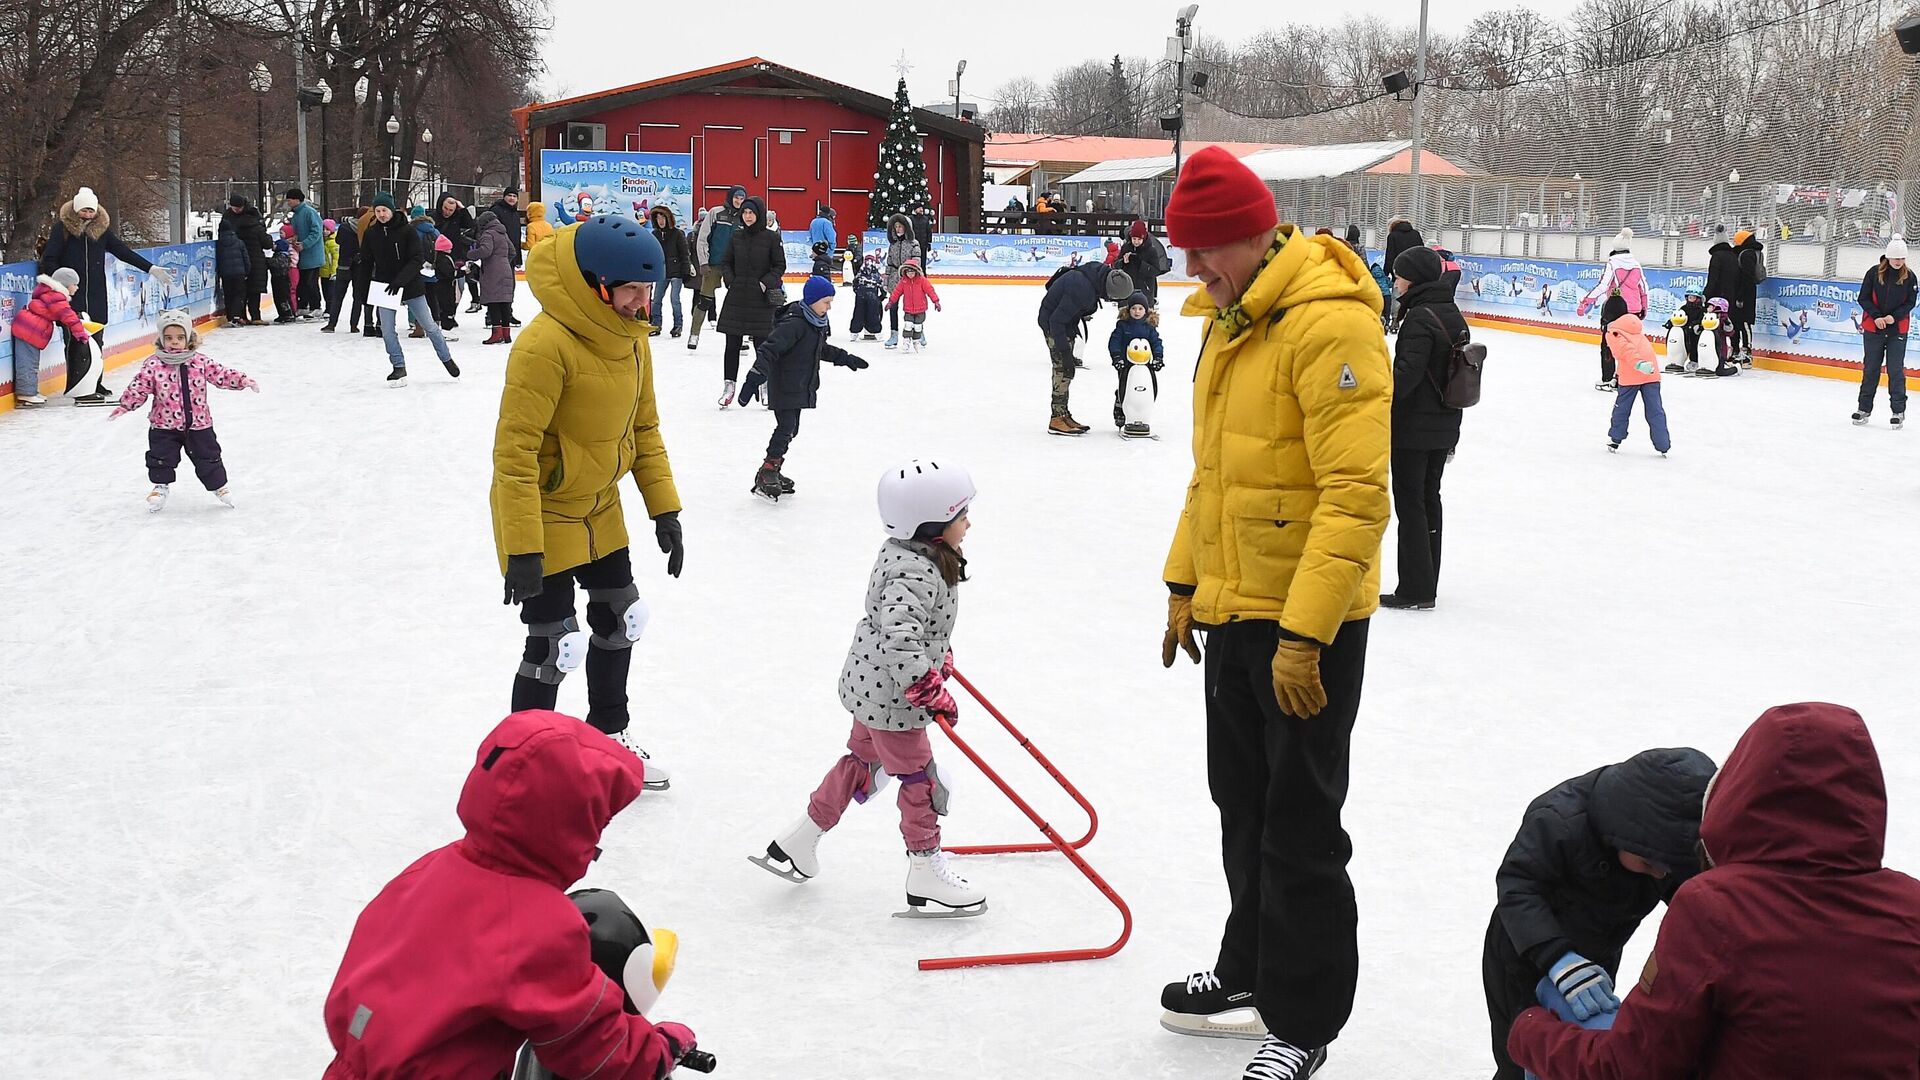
(396,290)
(852,362)
(666,529)
(524,580)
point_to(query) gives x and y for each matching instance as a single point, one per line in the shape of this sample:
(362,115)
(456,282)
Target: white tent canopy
(1120,170)
(1283,163)
(1314,162)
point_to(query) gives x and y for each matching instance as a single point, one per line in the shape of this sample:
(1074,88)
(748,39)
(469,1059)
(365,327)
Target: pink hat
(329,224)
(441,243)
(286,229)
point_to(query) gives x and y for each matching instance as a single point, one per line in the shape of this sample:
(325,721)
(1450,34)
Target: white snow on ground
(224,730)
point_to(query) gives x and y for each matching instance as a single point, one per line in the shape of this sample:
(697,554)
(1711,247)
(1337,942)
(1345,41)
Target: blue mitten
(1549,996)
(1586,986)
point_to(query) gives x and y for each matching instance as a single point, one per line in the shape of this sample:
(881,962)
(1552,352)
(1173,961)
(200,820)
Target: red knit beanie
(1138,230)
(1216,201)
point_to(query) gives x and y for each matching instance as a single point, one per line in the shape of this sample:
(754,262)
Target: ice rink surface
(226,729)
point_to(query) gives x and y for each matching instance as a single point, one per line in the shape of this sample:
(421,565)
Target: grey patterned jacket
(905,633)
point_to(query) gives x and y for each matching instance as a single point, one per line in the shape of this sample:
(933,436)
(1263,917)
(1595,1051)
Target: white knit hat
(1623,240)
(175,317)
(86,200)
(1897,247)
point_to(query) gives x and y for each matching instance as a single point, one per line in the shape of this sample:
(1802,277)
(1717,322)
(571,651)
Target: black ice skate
(1860,419)
(1201,1006)
(1136,430)
(1280,1060)
(766,481)
(397,378)
(1396,602)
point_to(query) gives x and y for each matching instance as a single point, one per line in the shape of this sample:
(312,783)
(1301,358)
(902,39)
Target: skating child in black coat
(1592,858)
(789,362)
(869,287)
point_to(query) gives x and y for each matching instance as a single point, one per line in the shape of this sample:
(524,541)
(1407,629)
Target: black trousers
(1280,782)
(730,359)
(1416,502)
(500,314)
(1886,348)
(309,290)
(282,294)
(202,447)
(786,424)
(1615,307)
(606,668)
(236,289)
(1509,982)
(360,287)
(334,289)
(1742,330)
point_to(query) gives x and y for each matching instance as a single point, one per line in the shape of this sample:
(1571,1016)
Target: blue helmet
(613,250)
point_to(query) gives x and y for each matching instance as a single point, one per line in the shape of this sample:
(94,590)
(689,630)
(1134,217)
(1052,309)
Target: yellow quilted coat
(576,415)
(537,227)
(1288,501)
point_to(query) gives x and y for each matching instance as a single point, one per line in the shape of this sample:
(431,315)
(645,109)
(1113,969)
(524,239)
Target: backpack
(1055,276)
(1461,389)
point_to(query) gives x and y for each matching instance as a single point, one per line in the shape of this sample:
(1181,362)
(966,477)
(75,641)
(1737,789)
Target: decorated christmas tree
(901,182)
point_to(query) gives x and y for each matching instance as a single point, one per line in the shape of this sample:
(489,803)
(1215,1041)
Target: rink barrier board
(133,303)
(1819,367)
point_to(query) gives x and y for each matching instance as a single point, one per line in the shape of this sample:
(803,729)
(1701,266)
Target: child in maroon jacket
(176,377)
(476,949)
(1795,953)
(51,305)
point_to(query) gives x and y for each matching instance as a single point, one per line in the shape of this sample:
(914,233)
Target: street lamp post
(262,82)
(957,72)
(359,102)
(321,95)
(393,159)
(1178,47)
(426,136)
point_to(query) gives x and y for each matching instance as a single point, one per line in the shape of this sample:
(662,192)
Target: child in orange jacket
(1638,374)
(913,294)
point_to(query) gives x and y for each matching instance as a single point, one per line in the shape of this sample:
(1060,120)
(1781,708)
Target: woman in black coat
(679,257)
(240,254)
(1401,235)
(393,253)
(1144,259)
(754,262)
(1425,429)
(79,242)
(456,223)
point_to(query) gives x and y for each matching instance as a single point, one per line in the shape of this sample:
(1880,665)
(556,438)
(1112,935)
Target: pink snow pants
(901,753)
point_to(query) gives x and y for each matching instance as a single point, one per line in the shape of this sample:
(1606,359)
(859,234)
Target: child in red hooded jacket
(476,949)
(913,294)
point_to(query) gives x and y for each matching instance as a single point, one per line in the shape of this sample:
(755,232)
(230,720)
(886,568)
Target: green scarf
(1234,322)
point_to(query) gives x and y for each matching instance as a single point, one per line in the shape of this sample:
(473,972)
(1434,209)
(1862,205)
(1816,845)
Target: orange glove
(1179,630)
(1296,678)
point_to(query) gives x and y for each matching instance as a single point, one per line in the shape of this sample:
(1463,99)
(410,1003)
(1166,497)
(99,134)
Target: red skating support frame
(1055,843)
(1093,819)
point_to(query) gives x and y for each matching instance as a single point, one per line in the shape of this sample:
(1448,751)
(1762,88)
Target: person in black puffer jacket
(1425,429)
(673,246)
(242,262)
(456,223)
(1593,857)
(1401,235)
(394,253)
(788,361)
(751,268)
(1751,257)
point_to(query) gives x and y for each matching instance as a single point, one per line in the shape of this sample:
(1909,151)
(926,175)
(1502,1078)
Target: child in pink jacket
(1639,374)
(51,305)
(176,377)
(912,294)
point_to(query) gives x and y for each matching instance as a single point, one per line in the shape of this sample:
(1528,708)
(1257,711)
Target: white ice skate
(657,777)
(157,499)
(726,393)
(794,854)
(935,891)
(225,496)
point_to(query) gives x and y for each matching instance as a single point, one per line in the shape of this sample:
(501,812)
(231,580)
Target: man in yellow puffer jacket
(576,415)
(1276,557)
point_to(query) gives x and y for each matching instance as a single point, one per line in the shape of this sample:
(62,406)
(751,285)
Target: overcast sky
(859,43)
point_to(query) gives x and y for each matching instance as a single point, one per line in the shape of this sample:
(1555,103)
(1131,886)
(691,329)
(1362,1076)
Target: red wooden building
(795,139)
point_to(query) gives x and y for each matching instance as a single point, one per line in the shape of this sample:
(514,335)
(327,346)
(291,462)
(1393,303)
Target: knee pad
(629,616)
(562,646)
(930,776)
(877,780)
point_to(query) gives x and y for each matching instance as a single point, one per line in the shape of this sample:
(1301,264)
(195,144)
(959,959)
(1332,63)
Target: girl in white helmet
(894,683)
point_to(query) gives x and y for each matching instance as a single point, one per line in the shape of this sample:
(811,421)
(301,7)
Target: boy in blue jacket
(1133,324)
